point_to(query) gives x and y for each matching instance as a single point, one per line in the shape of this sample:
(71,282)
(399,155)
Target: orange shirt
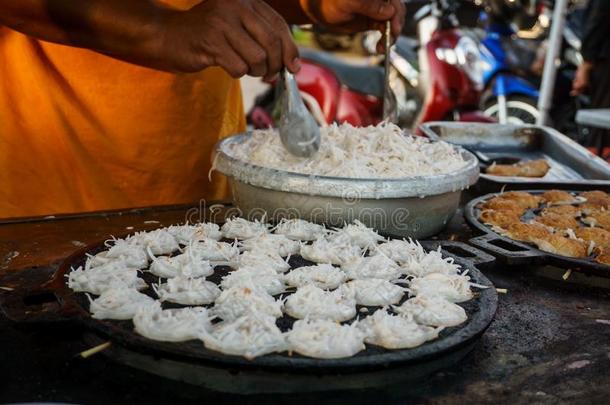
(80,131)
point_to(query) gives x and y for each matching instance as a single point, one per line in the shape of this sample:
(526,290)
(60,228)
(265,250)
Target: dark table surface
(549,342)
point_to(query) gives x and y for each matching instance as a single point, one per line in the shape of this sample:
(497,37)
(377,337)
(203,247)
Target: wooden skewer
(90,352)
(502,290)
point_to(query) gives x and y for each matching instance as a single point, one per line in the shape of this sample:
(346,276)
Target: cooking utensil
(572,166)
(390,113)
(299,131)
(516,253)
(68,306)
(416,207)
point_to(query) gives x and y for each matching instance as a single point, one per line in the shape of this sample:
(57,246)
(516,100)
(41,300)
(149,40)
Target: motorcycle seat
(367,80)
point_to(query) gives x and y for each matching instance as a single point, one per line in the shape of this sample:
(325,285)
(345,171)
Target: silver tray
(572,165)
(415,207)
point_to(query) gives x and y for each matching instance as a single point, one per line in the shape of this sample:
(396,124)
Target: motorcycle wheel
(520,110)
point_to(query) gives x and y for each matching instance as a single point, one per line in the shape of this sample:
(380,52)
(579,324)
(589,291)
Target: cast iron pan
(516,253)
(55,302)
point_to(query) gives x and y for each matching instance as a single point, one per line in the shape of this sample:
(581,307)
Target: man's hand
(241,36)
(582,79)
(356,15)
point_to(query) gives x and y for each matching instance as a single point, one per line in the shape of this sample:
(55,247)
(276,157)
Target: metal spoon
(390,113)
(299,131)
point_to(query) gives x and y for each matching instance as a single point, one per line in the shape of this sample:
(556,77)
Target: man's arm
(126,30)
(242,36)
(343,15)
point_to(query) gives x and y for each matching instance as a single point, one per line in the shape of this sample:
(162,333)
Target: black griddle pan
(54,302)
(516,253)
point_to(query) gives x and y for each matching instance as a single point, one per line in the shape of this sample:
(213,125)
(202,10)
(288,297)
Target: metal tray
(516,253)
(572,166)
(63,305)
(416,207)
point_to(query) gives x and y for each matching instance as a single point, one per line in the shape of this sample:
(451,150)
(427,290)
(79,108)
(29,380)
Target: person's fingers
(231,62)
(290,52)
(264,35)
(249,51)
(399,17)
(379,10)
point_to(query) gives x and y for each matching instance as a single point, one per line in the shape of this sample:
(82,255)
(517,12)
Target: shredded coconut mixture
(187,291)
(432,262)
(356,234)
(184,234)
(360,289)
(381,151)
(376,292)
(270,243)
(324,276)
(99,279)
(455,288)
(131,255)
(299,229)
(119,303)
(314,303)
(263,278)
(238,301)
(261,259)
(333,251)
(171,325)
(378,266)
(433,311)
(325,339)
(240,228)
(401,251)
(214,251)
(159,241)
(395,331)
(191,263)
(250,336)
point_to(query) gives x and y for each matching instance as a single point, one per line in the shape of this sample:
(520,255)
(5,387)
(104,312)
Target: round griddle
(481,309)
(520,253)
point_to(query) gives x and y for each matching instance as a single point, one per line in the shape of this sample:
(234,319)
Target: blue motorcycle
(511,94)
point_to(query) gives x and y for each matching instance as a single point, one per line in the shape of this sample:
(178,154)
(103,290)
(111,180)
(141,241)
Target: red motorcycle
(436,77)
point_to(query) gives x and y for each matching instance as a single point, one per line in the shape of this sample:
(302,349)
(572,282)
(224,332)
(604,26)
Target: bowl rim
(282,180)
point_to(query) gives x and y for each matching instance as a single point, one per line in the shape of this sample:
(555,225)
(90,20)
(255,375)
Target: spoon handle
(389,99)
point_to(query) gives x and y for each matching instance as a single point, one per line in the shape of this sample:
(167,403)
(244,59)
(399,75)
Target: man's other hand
(356,15)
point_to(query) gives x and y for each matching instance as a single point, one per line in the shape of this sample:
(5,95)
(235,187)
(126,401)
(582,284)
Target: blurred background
(469,61)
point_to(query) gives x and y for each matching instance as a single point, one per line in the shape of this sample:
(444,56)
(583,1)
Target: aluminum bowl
(416,207)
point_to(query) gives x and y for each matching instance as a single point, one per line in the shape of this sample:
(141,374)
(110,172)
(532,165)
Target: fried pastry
(557,221)
(599,218)
(569,210)
(502,204)
(526,232)
(526,200)
(499,218)
(599,236)
(596,198)
(560,245)
(531,168)
(603,256)
(555,197)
